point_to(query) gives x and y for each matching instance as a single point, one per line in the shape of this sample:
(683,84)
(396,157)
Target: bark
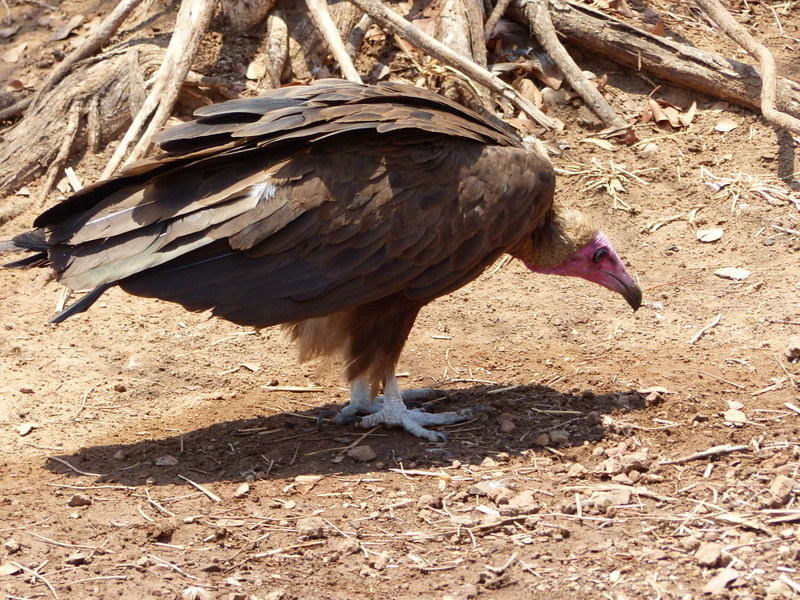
(677,63)
(100,87)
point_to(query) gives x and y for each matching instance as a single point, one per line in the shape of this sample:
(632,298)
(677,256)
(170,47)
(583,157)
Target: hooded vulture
(337,209)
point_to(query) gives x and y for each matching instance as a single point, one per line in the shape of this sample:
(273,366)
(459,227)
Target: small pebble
(311,528)
(362,453)
(559,436)
(242,490)
(12,546)
(709,554)
(166,461)
(429,501)
(507,426)
(80,500)
(542,440)
(482,488)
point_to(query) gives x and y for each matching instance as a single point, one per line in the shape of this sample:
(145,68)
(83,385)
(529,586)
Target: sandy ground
(143,457)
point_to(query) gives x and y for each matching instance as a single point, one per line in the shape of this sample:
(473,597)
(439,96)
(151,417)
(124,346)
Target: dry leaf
(710,235)
(9,569)
(15,85)
(718,583)
(734,273)
(688,116)
(64,31)
(529,91)
(12,56)
(725,125)
(658,28)
(674,116)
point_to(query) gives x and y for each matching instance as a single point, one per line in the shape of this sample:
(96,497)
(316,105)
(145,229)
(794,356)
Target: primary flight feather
(336,208)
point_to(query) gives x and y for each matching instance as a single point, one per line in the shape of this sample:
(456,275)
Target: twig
(35,575)
(172,566)
(736,385)
(791,406)
(792,231)
(713,451)
(769,84)
(208,493)
(64,544)
(538,15)
(77,470)
(702,331)
(494,18)
(396,24)
(318,9)
(190,26)
(93,42)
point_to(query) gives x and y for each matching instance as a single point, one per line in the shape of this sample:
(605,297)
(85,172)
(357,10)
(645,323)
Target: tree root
(190,27)
(758,51)
(101,88)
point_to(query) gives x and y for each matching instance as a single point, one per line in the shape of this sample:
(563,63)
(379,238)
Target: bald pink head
(598,262)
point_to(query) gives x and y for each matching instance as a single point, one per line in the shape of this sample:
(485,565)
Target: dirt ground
(144,454)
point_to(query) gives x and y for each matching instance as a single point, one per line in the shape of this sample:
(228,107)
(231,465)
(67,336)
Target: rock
(524,501)
(781,489)
(78,558)
(542,440)
(362,453)
(624,463)
(779,589)
(689,543)
(26,428)
(311,528)
(576,470)
(482,488)
(489,462)
(500,495)
(429,501)
(79,500)
(12,546)
(793,348)
(120,455)
(242,490)
(507,426)
(603,500)
(559,436)
(709,554)
(166,461)
(734,273)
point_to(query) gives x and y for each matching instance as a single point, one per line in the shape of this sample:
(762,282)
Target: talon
(326,414)
(440,437)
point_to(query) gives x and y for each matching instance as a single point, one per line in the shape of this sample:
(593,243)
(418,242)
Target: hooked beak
(627,287)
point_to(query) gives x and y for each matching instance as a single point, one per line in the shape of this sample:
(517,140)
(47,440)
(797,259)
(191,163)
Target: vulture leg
(394,412)
(361,402)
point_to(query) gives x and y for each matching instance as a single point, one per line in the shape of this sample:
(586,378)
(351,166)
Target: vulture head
(566,243)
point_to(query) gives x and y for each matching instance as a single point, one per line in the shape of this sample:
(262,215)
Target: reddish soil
(129,431)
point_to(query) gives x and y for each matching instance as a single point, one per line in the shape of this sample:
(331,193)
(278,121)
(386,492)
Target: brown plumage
(336,208)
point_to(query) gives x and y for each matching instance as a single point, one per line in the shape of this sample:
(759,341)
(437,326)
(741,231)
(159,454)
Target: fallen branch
(537,14)
(760,52)
(683,65)
(190,27)
(318,9)
(396,24)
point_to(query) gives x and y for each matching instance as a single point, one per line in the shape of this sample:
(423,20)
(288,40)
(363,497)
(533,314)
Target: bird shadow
(519,419)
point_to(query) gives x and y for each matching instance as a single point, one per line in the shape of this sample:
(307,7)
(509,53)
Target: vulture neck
(558,237)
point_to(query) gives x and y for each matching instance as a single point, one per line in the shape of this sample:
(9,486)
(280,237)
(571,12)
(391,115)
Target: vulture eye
(600,255)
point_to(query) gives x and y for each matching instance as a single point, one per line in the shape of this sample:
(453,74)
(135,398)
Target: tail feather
(31,241)
(82,304)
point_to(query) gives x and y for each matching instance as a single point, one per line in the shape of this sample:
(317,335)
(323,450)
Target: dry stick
(494,18)
(713,451)
(390,20)
(35,575)
(681,64)
(190,26)
(758,51)
(537,13)
(318,9)
(356,38)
